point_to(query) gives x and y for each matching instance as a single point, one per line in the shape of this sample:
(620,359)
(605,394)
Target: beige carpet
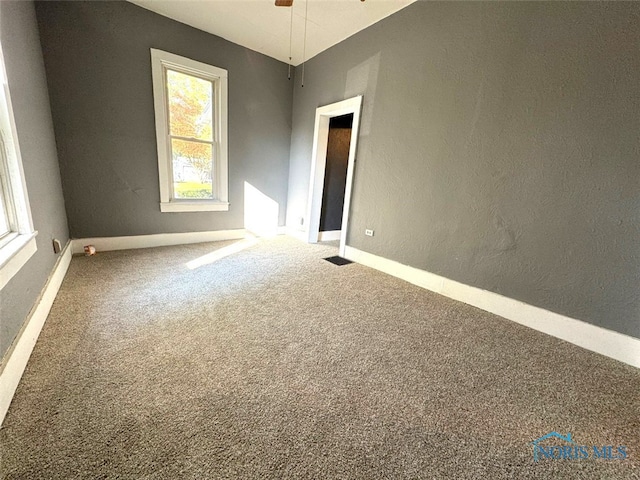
(273,363)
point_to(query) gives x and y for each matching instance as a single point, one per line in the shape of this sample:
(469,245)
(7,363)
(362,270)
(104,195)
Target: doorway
(333,160)
(335,177)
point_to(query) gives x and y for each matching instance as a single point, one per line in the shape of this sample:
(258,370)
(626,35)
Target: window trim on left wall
(19,245)
(160,61)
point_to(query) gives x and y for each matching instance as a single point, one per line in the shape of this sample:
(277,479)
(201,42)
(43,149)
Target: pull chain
(290,41)
(304,46)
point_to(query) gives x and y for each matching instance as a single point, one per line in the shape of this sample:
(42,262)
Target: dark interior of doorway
(335,174)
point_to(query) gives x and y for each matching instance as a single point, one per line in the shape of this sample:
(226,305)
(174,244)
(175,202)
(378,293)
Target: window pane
(192,169)
(190,106)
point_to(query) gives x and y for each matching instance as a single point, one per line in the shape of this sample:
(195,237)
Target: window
(17,237)
(190,100)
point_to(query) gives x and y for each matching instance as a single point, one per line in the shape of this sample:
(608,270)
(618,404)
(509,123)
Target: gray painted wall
(99,75)
(27,84)
(499,147)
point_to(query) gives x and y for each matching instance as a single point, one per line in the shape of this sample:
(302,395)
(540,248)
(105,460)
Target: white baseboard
(105,244)
(16,359)
(597,339)
(329,236)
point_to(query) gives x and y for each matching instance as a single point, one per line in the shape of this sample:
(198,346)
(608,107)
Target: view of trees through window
(191,132)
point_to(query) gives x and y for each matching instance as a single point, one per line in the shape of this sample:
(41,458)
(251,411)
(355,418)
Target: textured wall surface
(99,75)
(28,88)
(499,147)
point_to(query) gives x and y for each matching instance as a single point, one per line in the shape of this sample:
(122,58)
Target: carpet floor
(264,360)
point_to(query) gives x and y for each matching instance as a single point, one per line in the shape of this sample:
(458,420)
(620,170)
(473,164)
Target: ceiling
(261,26)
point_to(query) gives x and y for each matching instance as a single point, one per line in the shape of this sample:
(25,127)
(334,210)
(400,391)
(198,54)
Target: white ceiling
(261,26)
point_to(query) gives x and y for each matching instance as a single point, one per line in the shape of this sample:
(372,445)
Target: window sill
(189,206)
(15,254)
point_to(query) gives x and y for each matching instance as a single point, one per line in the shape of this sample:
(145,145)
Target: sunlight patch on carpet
(216,255)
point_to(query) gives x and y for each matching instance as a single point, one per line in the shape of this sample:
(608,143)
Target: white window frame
(17,247)
(160,62)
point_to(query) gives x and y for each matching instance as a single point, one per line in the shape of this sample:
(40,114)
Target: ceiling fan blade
(284,3)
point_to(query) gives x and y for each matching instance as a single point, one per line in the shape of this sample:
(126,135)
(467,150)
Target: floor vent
(338,260)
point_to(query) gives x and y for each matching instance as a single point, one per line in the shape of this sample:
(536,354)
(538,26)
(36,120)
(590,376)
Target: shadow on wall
(363,80)
(260,212)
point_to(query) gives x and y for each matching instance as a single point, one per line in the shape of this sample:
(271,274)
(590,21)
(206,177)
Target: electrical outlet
(368,232)
(57,246)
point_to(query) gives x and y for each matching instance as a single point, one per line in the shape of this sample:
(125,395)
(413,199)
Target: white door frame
(319,161)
